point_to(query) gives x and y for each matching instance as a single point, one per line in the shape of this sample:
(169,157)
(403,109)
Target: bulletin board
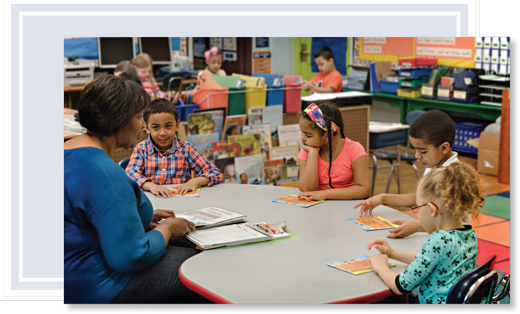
(449,51)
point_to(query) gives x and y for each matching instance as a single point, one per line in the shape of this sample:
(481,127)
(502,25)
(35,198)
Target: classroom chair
(172,82)
(391,157)
(478,286)
(123,163)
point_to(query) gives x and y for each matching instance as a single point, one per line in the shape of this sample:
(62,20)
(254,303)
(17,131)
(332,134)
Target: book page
(209,215)
(356,266)
(294,199)
(372,223)
(226,234)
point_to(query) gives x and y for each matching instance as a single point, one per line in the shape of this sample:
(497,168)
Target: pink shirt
(341,173)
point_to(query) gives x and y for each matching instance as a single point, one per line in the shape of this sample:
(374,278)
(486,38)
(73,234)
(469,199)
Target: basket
(466,131)
(212,98)
(255,97)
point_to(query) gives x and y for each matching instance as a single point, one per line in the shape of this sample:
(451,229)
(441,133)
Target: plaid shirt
(174,166)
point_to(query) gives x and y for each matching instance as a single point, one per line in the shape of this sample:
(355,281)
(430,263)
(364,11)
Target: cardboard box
(488,145)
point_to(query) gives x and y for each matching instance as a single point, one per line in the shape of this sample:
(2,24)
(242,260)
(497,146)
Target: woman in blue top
(114,249)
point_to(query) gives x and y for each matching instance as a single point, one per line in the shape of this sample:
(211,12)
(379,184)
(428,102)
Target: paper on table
(225,236)
(372,223)
(211,216)
(295,200)
(176,193)
(355,266)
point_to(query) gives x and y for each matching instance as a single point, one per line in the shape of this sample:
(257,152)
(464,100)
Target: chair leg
(389,177)
(374,174)
(415,168)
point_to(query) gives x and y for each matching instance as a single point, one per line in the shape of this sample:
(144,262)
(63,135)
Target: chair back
(172,82)
(123,163)
(476,286)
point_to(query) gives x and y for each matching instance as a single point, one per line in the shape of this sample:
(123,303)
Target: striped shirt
(174,166)
(155,92)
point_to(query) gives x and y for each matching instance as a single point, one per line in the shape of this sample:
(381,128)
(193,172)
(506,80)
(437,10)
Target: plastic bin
(415,72)
(389,87)
(429,91)
(184,110)
(236,101)
(465,131)
(269,78)
(292,98)
(212,98)
(255,97)
(409,92)
(408,83)
(417,62)
(275,95)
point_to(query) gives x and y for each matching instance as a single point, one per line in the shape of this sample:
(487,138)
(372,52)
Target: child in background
(214,62)
(432,135)
(331,165)
(143,66)
(126,70)
(328,80)
(165,159)
(445,196)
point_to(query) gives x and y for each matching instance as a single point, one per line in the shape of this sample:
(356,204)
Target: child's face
(162,127)
(143,73)
(243,178)
(229,174)
(325,66)
(310,135)
(428,155)
(214,63)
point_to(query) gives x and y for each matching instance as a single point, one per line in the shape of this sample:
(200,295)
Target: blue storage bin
(415,72)
(387,139)
(464,132)
(269,78)
(184,110)
(389,87)
(275,97)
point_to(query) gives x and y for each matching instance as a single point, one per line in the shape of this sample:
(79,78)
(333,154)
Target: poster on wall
(229,49)
(184,44)
(262,61)
(262,42)
(215,42)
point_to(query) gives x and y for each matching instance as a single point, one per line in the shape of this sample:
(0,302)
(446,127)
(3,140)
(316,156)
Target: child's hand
(316,195)
(406,228)
(381,245)
(187,187)
(159,190)
(379,262)
(306,85)
(369,204)
(309,148)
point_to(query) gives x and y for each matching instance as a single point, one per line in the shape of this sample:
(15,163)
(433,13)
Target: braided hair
(331,113)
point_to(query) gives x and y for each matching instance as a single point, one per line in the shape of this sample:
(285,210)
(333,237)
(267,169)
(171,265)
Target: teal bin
(236,99)
(275,95)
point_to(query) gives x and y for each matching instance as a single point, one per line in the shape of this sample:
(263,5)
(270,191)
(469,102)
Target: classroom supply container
(183,110)
(388,139)
(275,93)
(429,91)
(255,97)
(417,62)
(410,82)
(389,87)
(415,72)
(409,92)
(212,98)
(465,131)
(292,99)
(236,98)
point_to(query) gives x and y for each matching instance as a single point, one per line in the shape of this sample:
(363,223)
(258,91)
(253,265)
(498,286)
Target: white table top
(292,271)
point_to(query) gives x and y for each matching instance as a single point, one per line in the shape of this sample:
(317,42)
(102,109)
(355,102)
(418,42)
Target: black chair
(123,163)
(478,286)
(172,82)
(391,157)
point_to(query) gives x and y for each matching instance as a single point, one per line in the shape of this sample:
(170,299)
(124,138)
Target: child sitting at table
(213,62)
(445,196)
(331,165)
(432,135)
(143,66)
(165,159)
(328,80)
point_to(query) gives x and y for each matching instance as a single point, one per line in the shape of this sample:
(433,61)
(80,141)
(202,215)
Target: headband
(212,52)
(316,115)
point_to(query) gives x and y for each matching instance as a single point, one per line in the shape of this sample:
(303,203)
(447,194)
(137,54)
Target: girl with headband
(331,165)
(214,62)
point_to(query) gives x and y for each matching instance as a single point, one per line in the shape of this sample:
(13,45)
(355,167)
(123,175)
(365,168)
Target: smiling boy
(432,135)
(165,159)
(328,80)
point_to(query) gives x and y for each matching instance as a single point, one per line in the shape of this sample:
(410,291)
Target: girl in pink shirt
(331,165)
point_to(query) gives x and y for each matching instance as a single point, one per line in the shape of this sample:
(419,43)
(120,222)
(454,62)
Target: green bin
(236,101)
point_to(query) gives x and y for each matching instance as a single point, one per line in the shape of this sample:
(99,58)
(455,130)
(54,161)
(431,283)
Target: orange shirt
(332,79)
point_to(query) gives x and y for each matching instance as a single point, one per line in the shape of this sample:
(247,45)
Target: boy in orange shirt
(328,80)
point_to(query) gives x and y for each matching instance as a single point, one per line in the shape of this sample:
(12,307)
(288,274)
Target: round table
(292,271)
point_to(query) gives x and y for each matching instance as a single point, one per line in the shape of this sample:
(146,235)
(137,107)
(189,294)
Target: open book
(232,235)
(372,223)
(211,216)
(355,266)
(295,200)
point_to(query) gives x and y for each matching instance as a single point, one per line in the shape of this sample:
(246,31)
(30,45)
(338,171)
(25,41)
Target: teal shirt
(445,257)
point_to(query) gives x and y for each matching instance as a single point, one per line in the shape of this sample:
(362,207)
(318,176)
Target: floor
(492,226)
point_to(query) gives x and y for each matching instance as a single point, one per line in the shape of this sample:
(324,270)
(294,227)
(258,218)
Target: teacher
(109,255)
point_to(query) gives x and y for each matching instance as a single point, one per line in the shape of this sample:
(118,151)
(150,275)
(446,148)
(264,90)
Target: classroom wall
(282,54)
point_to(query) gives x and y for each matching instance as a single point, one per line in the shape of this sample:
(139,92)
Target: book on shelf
(355,266)
(233,125)
(289,135)
(274,116)
(227,167)
(204,143)
(244,145)
(250,169)
(254,115)
(235,235)
(220,150)
(265,137)
(211,216)
(289,154)
(273,171)
(206,122)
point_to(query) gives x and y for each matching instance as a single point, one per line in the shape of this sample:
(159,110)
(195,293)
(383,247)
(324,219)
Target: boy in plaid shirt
(165,159)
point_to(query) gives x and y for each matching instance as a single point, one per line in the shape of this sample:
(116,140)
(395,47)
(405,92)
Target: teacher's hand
(178,227)
(158,215)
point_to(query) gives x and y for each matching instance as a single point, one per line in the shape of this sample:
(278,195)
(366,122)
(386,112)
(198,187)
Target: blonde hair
(143,61)
(458,186)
